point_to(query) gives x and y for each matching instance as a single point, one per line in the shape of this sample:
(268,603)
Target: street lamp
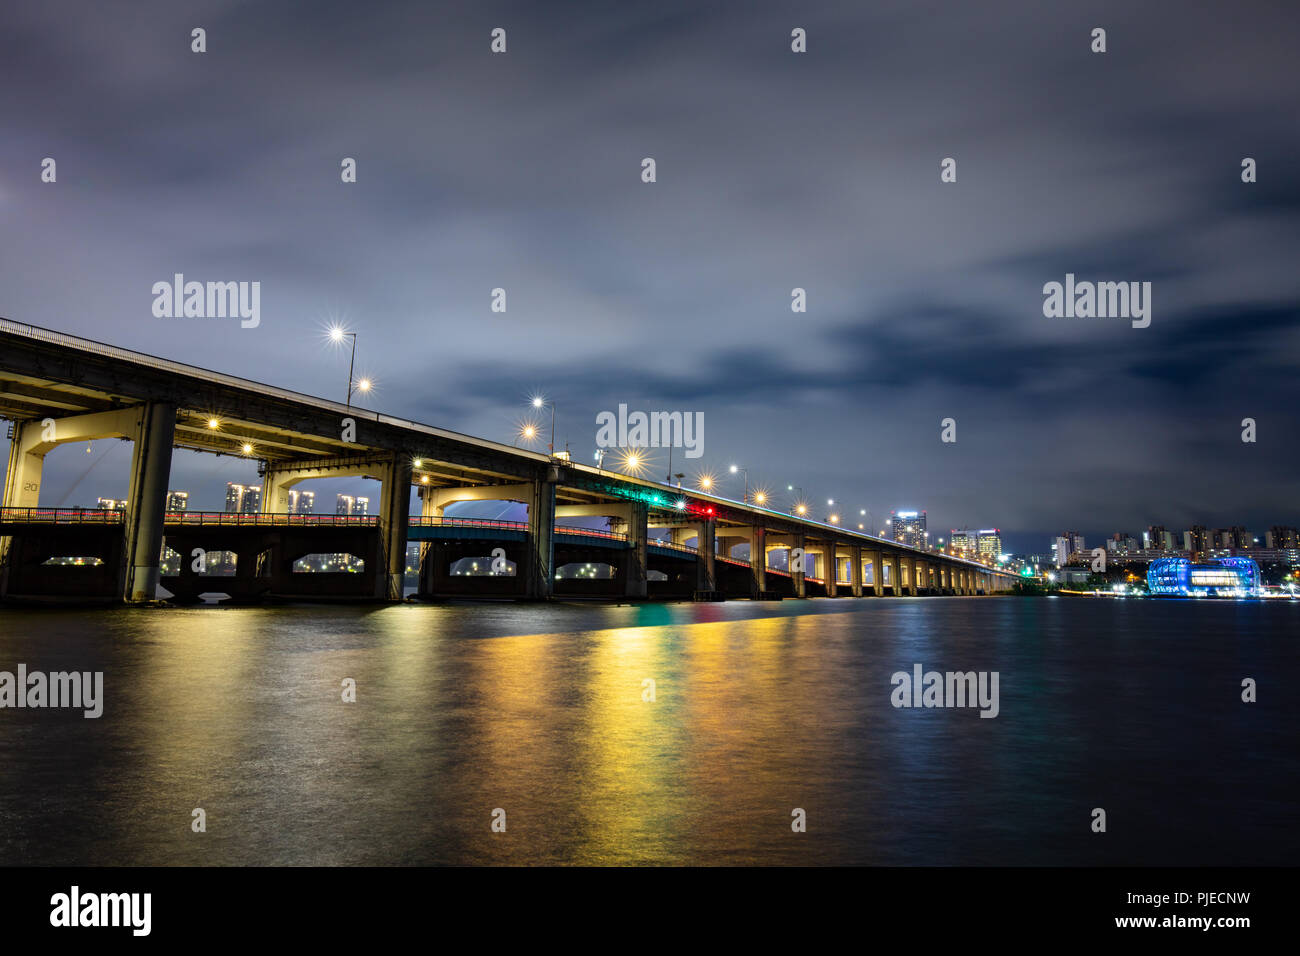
(337,334)
(797,497)
(736,468)
(539,402)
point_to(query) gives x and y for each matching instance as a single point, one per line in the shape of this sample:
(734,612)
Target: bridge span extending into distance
(664,541)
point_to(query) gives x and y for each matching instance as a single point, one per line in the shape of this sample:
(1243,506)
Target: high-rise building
(243,499)
(963,542)
(1195,540)
(302,502)
(111,504)
(1157,538)
(178,501)
(1227,539)
(349,505)
(908,527)
(988,544)
(1071,542)
(1121,542)
(1282,537)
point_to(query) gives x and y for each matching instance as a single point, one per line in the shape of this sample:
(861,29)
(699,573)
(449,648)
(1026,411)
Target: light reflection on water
(1133,706)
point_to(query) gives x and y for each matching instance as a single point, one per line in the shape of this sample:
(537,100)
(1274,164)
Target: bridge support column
(877,574)
(636,585)
(855,561)
(798,559)
(541,539)
(830,569)
(706,576)
(23,476)
(394,519)
(151,467)
(758,560)
(911,576)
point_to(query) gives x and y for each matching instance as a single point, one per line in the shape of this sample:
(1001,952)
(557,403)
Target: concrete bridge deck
(56,388)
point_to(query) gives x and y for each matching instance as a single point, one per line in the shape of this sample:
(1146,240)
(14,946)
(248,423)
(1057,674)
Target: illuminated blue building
(1221,577)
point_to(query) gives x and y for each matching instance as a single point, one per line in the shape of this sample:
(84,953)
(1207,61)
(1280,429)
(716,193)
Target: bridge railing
(435,521)
(62,515)
(684,548)
(222,518)
(590,532)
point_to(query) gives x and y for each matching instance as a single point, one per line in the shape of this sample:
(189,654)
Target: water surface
(1132,706)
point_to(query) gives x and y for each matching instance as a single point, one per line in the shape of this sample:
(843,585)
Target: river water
(759,710)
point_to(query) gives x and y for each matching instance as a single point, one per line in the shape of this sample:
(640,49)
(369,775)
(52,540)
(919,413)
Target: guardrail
(62,515)
(684,548)
(434,521)
(590,533)
(222,518)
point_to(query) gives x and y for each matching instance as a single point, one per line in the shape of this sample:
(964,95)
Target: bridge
(664,541)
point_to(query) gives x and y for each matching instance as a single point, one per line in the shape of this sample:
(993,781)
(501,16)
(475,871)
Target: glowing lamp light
(364,385)
(248,449)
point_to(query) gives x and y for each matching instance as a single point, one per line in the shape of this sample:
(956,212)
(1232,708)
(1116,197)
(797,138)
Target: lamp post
(736,468)
(539,402)
(337,335)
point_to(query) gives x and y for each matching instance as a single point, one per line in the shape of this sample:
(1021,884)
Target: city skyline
(981,539)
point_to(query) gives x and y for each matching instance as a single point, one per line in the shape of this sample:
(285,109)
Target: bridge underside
(56,389)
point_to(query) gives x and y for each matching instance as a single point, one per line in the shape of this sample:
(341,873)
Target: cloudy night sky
(775,170)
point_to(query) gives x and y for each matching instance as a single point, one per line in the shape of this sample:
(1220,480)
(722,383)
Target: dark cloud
(775,171)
